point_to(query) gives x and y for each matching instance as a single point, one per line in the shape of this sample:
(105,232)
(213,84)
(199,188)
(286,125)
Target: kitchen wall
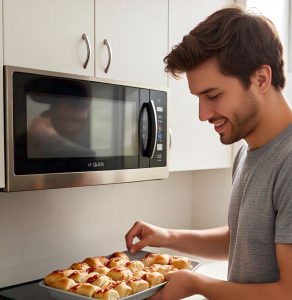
(44,230)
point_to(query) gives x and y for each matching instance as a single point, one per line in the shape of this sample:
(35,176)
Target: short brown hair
(240,41)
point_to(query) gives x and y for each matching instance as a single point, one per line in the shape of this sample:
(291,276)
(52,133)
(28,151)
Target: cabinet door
(137,33)
(2,165)
(195,145)
(47,34)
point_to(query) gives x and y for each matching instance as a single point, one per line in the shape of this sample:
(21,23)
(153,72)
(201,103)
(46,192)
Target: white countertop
(217,269)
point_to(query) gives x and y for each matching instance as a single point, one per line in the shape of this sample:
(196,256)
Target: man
(234,65)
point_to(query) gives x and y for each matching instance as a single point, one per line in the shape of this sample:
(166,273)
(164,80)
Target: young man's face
(224,102)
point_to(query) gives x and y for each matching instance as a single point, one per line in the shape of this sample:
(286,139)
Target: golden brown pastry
(153,278)
(181,262)
(84,289)
(138,285)
(100,280)
(107,294)
(122,288)
(134,266)
(120,273)
(79,276)
(63,284)
(139,274)
(162,259)
(164,269)
(101,270)
(96,261)
(120,255)
(56,275)
(116,262)
(81,266)
(148,259)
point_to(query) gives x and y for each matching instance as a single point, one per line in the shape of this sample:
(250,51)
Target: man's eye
(214,97)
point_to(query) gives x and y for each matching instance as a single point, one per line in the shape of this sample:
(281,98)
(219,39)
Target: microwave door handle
(153,128)
(149,150)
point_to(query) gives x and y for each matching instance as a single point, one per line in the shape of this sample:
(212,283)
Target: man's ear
(262,78)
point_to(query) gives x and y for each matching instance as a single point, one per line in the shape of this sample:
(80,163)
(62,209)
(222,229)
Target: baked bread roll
(101,270)
(84,289)
(116,262)
(56,275)
(100,280)
(107,294)
(181,262)
(120,273)
(120,255)
(164,269)
(96,261)
(138,285)
(148,259)
(81,266)
(122,288)
(134,266)
(63,284)
(153,278)
(162,259)
(79,276)
(139,274)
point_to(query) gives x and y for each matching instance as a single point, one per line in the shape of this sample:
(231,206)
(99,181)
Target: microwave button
(159,147)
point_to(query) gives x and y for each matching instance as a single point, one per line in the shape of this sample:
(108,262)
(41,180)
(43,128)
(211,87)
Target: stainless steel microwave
(67,130)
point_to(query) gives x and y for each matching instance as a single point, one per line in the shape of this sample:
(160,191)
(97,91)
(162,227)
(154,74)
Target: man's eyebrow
(207,91)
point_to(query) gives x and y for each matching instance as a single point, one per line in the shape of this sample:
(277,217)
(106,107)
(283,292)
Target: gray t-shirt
(260,211)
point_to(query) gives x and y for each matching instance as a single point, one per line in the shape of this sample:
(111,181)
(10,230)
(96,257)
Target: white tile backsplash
(44,230)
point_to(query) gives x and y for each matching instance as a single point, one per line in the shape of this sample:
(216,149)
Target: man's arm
(209,243)
(213,289)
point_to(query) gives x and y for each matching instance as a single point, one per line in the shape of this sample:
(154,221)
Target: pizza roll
(134,265)
(115,262)
(122,288)
(63,284)
(96,261)
(164,269)
(139,274)
(79,276)
(106,294)
(138,285)
(148,259)
(153,278)
(120,273)
(162,259)
(120,255)
(81,266)
(181,262)
(101,270)
(84,289)
(100,280)
(56,275)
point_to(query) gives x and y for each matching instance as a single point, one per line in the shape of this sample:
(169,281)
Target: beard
(244,121)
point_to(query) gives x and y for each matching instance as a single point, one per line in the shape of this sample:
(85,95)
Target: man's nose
(206,111)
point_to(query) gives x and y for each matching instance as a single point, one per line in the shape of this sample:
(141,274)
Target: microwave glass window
(74,126)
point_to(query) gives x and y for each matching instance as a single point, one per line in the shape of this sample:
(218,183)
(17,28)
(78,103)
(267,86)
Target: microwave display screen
(60,126)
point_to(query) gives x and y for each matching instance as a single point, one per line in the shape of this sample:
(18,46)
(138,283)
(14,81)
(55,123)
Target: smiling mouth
(219,125)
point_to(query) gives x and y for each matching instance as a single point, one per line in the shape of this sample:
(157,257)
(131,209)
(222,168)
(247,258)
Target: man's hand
(148,235)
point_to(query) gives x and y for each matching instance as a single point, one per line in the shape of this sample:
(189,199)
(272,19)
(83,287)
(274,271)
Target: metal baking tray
(63,295)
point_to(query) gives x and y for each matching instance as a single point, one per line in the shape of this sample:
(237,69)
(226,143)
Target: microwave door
(148,129)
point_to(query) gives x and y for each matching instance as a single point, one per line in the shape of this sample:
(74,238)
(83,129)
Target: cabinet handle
(85,38)
(109,50)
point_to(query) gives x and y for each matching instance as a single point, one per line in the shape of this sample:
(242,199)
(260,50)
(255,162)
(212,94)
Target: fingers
(135,231)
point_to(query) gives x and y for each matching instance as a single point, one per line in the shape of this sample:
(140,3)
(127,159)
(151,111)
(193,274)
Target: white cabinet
(2,173)
(47,34)
(137,32)
(195,145)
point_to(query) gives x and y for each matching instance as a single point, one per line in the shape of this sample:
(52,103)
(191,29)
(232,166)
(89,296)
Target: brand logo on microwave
(96,164)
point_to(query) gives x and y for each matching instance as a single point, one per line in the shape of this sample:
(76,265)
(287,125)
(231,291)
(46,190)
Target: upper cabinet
(49,35)
(195,145)
(132,38)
